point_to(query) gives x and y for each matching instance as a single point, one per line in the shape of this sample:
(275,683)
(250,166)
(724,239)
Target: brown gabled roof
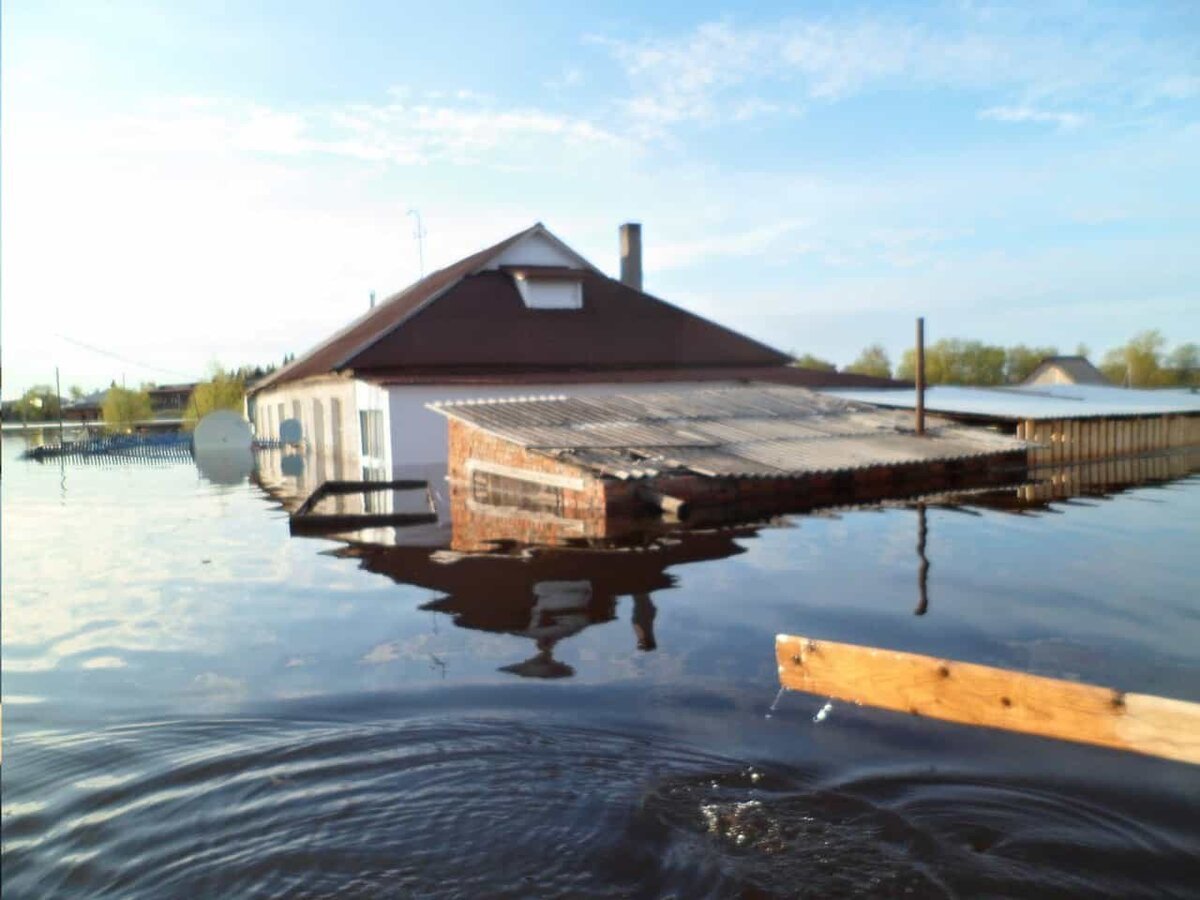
(329,355)
(483,322)
(463,318)
(786,375)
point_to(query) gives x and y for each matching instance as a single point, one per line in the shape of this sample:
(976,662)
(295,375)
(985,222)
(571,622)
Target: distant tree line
(1141,362)
(122,407)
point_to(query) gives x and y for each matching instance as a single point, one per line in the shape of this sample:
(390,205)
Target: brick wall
(583,514)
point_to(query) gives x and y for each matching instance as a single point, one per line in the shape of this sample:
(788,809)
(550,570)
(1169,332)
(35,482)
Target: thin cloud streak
(706,75)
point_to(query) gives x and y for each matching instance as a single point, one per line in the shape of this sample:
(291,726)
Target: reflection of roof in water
(549,594)
(612,572)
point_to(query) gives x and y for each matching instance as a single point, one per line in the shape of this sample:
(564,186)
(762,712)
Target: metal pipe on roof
(631,255)
(921,375)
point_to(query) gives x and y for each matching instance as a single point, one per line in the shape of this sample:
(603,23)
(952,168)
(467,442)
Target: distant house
(169,400)
(1066,370)
(89,408)
(526,316)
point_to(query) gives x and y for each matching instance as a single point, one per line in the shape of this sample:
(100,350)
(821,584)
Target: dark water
(196,704)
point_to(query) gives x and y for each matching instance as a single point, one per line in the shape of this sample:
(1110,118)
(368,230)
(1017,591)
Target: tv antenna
(419,234)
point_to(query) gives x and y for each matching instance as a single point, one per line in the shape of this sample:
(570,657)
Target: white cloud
(571,77)
(1065,120)
(703,75)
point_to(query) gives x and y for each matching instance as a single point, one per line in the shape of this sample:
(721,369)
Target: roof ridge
(475,261)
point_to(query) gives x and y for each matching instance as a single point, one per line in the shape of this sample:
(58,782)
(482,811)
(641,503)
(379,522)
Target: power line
(124,359)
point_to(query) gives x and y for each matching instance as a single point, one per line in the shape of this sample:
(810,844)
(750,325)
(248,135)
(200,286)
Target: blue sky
(184,183)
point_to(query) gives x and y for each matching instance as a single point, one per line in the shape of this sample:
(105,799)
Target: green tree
(76,392)
(955,361)
(1183,365)
(872,361)
(222,391)
(123,408)
(1138,363)
(38,404)
(1020,361)
(808,361)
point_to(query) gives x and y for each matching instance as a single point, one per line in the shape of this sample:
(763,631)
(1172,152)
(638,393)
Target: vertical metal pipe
(921,375)
(58,395)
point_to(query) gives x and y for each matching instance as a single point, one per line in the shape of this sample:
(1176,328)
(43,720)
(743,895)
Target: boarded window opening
(491,489)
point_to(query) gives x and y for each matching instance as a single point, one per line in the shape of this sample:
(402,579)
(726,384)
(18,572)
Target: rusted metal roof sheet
(753,431)
(1042,401)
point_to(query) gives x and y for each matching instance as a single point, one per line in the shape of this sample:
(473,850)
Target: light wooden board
(989,697)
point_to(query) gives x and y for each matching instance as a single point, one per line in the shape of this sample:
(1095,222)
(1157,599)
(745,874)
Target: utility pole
(419,234)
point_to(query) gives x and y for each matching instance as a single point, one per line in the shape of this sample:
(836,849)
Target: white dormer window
(548,292)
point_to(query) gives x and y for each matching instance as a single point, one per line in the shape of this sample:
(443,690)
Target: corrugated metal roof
(736,432)
(1058,401)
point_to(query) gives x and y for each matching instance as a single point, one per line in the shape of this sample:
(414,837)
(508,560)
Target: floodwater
(197,704)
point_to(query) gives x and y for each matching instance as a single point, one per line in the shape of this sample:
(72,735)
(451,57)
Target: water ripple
(501,807)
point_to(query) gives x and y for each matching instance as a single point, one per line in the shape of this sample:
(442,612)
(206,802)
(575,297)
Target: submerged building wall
(544,495)
(1083,440)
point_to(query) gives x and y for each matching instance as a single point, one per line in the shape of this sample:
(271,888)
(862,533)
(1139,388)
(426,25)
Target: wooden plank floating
(990,697)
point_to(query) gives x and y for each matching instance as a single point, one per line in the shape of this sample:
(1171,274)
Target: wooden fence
(1079,440)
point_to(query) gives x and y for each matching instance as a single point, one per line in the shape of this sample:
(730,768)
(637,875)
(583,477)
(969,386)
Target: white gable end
(536,250)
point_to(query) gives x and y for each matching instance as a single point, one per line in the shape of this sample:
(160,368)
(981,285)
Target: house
(1066,370)
(89,408)
(526,316)
(168,401)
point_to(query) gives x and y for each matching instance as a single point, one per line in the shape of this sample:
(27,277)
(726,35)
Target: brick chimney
(631,255)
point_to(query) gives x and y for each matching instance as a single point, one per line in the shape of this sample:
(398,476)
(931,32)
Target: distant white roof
(1057,401)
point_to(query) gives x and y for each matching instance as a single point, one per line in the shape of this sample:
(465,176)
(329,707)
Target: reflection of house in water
(1091,479)
(496,582)
(548,595)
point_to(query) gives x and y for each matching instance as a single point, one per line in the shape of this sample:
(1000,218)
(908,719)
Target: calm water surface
(197,704)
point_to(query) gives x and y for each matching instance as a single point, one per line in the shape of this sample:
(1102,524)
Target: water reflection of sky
(148,588)
(151,618)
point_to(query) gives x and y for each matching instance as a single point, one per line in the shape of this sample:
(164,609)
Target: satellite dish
(221,447)
(291,431)
(223,429)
